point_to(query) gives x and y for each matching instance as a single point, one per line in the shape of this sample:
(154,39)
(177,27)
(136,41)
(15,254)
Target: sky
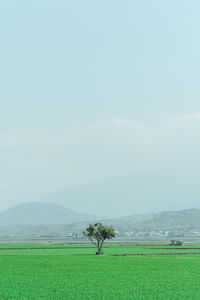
(91,91)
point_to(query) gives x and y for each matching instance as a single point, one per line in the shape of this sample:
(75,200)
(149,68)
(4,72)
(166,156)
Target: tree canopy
(97,233)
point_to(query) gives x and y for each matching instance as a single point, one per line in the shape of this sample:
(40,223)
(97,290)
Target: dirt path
(154,254)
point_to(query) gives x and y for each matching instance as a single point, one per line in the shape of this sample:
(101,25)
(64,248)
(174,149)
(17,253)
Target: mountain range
(38,213)
(49,214)
(120,196)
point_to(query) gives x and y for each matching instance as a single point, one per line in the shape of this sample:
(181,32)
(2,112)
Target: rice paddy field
(125,271)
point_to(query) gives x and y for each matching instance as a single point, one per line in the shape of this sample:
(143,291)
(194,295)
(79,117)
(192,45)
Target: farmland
(125,271)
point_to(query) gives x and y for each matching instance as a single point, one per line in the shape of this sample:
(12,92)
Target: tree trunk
(99,246)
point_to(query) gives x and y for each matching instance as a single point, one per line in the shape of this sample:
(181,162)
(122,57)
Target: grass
(75,273)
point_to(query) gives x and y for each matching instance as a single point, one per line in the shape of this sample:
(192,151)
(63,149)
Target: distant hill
(36,219)
(186,219)
(134,218)
(136,194)
(37,213)
(111,198)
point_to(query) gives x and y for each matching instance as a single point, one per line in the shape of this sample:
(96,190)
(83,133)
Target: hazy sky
(92,90)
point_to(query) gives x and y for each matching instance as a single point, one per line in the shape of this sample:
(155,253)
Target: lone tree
(97,233)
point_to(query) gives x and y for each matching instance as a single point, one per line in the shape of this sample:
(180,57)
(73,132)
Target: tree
(97,233)
(176,243)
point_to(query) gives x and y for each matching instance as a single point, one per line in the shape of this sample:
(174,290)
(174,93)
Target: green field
(72,271)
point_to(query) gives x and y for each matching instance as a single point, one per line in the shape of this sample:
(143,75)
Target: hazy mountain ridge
(183,223)
(38,213)
(183,219)
(36,219)
(119,196)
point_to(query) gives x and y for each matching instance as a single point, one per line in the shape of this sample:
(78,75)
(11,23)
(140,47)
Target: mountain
(44,219)
(111,198)
(37,213)
(182,222)
(138,194)
(134,218)
(187,219)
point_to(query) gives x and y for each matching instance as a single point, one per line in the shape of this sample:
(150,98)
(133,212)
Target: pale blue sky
(82,64)
(88,60)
